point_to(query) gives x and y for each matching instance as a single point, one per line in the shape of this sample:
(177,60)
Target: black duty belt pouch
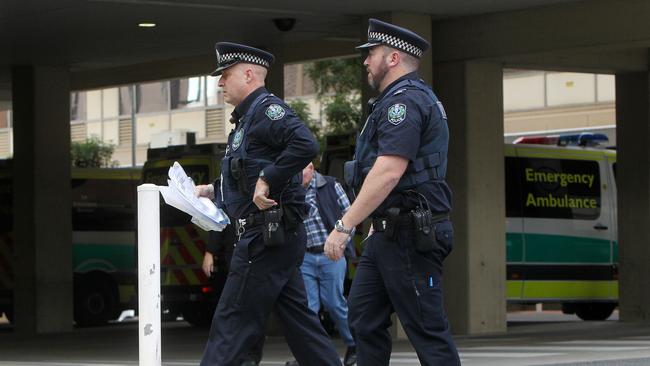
(351,174)
(424,235)
(273,227)
(238,172)
(392,220)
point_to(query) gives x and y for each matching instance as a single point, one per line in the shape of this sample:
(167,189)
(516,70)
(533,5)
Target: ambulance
(186,290)
(561,223)
(103,210)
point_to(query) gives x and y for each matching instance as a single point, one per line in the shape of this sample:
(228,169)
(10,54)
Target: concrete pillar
(42,200)
(633,182)
(475,272)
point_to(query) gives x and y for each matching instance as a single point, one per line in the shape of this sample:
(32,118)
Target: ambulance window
(104,204)
(200,174)
(559,188)
(514,207)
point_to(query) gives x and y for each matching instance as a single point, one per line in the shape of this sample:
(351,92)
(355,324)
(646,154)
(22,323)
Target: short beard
(375,80)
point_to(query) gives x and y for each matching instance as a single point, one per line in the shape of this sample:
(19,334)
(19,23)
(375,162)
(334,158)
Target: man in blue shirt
(324,277)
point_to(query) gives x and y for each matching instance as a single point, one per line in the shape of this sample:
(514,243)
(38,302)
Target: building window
(4,119)
(77,106)
(125,100)
(110,103)
(215,93)
(552,188)
(187,93)
(153,97)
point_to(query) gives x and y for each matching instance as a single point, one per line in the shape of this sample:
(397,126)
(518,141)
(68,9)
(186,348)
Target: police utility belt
(420,221)
(272,222)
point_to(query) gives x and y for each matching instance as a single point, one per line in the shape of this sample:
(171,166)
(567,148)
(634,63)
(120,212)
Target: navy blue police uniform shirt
(403,140)
(285,141)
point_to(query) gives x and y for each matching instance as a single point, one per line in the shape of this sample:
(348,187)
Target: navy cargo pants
(392,276)
(262,279)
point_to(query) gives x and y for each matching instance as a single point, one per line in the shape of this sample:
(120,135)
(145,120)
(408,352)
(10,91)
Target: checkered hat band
(395,42)
(246,57)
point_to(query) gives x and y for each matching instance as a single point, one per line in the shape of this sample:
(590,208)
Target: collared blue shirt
(421,122)
(241,108)
(316,232)
(269,131)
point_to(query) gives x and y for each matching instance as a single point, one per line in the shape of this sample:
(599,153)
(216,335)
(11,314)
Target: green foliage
(338,85)
(92,153)
(340,76)
(301,109)
(343,114)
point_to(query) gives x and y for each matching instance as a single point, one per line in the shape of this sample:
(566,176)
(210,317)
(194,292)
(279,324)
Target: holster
(273,232)
(238,172)
(424,235)
(392,221)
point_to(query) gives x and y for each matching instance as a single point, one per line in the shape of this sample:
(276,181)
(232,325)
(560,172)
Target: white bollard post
(149,275)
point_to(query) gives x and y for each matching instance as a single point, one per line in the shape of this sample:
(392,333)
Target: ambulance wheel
(594,311)
(95,301)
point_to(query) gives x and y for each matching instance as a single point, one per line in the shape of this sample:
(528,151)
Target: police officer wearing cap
(399,169)
(261,176)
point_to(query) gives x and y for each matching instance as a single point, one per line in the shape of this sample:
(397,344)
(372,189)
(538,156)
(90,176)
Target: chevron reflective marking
(182,256)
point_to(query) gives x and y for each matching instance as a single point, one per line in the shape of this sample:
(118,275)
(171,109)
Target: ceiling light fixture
(146,25)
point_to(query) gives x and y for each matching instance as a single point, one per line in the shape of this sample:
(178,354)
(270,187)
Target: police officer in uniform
(261,177)
(400,165)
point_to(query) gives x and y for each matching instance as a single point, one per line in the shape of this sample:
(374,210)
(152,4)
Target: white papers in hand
(180,194)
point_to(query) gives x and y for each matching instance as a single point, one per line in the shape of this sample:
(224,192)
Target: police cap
(396,37)
(229,54)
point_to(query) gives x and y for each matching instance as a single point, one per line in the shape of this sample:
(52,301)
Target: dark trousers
(262,279)
(256,351)
(392,276)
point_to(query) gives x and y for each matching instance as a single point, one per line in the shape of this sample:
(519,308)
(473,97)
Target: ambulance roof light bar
(538,140)
(584,139)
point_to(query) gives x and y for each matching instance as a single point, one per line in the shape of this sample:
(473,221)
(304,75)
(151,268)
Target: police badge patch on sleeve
(396,113)
(274,112)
